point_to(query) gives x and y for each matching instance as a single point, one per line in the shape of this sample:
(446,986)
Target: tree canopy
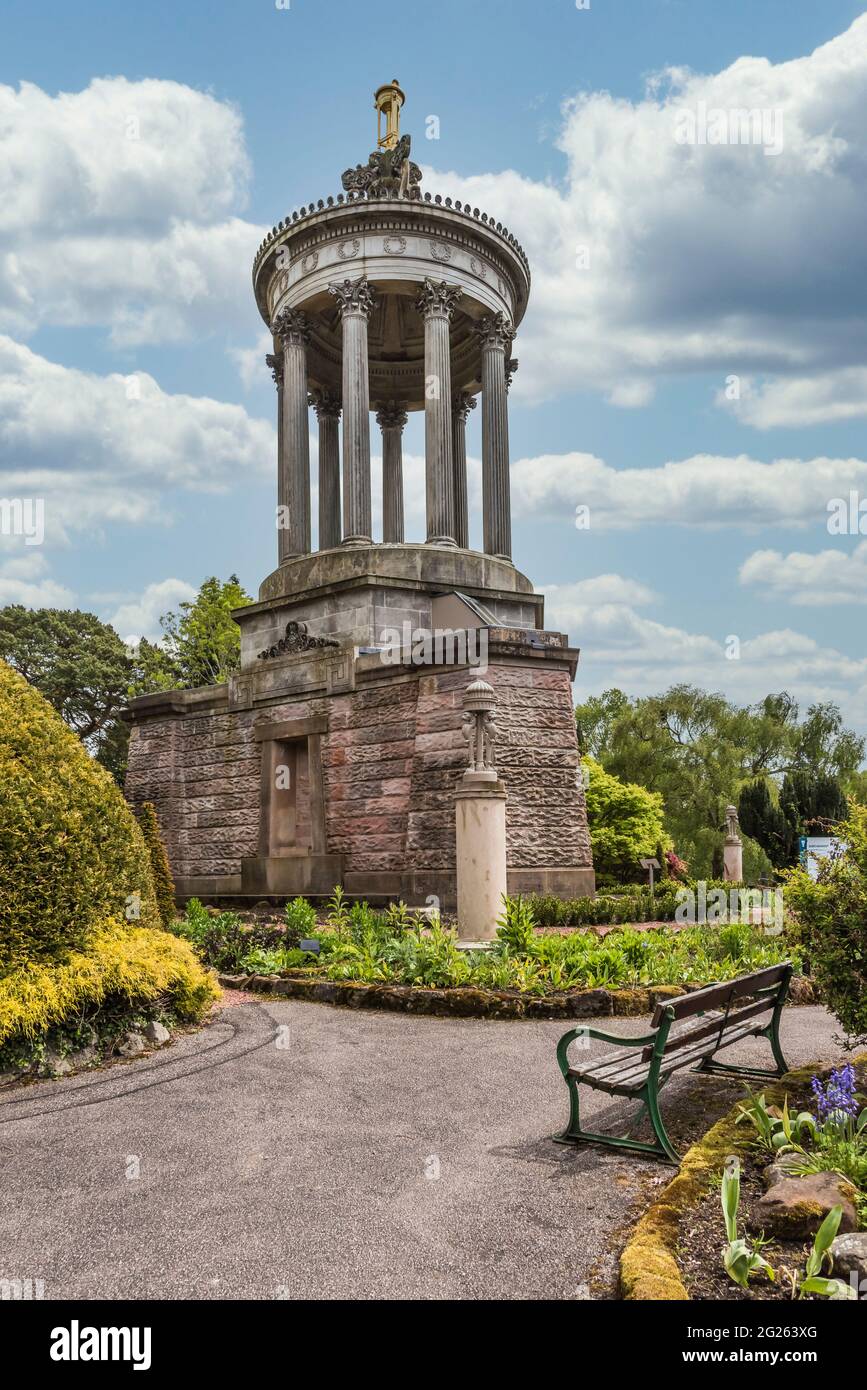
(88,674)
(697,750)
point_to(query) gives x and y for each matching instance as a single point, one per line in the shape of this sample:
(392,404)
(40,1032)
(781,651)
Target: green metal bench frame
(741,1000)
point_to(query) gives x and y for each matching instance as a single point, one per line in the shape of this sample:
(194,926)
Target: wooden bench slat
(713,996)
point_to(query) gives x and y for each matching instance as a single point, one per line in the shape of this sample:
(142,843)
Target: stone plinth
(480,857)
(733,862)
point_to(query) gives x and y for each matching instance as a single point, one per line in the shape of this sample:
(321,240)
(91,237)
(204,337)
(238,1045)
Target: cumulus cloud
(109,448)
(813,581)
(744,264)
(705,490)
(140,617)
(643,656)
(24,579)
(120,205)
(824,399)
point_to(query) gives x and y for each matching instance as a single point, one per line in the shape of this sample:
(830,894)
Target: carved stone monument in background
(324,760)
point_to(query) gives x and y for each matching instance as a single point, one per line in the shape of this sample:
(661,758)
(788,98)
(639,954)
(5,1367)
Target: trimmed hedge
(138,964)
(71,853)
(164,884)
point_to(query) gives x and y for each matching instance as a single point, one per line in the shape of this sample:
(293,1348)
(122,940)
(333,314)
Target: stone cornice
(304,214)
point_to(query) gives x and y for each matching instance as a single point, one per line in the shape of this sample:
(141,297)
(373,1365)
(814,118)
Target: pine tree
(164,884)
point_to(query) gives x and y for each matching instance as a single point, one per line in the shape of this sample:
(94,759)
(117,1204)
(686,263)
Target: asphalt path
(294,1151)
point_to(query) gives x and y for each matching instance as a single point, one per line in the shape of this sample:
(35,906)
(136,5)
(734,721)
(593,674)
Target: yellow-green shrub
(138,963)
(71,852)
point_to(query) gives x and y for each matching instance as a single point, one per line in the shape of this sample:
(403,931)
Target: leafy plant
(300,918)
(516,926)
(813,1280)
(776,1130)
(741,1258)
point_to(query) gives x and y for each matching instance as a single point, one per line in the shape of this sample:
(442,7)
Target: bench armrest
(598,1036)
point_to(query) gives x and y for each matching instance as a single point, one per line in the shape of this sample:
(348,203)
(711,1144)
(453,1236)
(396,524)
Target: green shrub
(137,965)
(300,920)
(625,822)
(164,884)
(831,924)
(72,854)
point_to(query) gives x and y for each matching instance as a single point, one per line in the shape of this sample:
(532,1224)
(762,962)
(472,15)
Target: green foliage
(137,965)
(831,919)
(625,822)
(764,820)
(300,920)
(81,667)
(202,642)
(697,750)
(776,1130)
(222,940)
(741,1258)
(164,884)
(72,853)
(397,946)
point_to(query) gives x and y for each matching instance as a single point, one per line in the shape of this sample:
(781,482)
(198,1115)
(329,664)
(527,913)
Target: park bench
(686,1032)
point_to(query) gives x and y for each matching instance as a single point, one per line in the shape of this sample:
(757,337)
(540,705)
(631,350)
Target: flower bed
(681,1247)
(396,951)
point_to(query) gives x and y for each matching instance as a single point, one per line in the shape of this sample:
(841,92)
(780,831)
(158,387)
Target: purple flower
(837,1095)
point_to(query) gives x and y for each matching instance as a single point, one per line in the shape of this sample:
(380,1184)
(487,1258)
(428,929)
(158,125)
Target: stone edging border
(466,1002)
(648,1265)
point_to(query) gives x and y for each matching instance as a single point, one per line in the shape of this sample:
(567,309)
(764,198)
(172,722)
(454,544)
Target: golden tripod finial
(388,99)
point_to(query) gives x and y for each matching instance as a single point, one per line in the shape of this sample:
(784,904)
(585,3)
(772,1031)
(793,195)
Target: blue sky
(143,151)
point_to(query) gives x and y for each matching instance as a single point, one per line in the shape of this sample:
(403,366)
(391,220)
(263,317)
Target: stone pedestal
(480,854)
(733,862)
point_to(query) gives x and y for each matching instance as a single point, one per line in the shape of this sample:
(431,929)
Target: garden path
(294,1150)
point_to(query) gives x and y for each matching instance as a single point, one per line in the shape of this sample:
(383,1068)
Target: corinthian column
(391,419)
(355,300)
(436,304)
(292,328)
(275,362)
(495,335)
(327,407)
(462,404)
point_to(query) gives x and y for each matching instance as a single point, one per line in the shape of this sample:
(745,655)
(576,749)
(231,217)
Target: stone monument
(480,821)
(329,758)
(733,849)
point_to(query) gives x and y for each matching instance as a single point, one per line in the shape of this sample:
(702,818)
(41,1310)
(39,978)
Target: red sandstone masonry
(391,761)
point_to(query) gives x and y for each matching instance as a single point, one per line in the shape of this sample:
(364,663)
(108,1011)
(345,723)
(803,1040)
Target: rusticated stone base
(385,750)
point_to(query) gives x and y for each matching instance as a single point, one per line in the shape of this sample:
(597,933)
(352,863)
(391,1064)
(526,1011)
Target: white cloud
(23,579)
(108,448)
(119,205)
(140,617)
(701,257)
(705,490)
(824,399)
(813,581)
(643,656)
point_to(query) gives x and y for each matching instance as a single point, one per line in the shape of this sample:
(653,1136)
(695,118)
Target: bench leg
(574,1134)
(652,1101)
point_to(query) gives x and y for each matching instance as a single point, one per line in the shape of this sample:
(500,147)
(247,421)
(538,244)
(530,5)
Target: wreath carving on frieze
(297,639)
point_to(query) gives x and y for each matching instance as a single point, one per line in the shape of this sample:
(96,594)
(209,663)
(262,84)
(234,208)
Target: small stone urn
(480,821)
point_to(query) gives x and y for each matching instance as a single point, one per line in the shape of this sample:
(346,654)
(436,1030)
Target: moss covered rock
(71,853)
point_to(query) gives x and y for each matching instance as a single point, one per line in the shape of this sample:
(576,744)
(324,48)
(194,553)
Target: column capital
(495,331)
(437,298)
(391,416)
(275,362)
(462,404)
(292,327)
(511,368)
(327,404)
(354,296)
